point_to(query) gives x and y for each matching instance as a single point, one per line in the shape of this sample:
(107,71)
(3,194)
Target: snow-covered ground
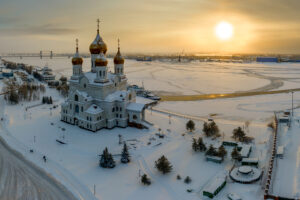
(80,154)
(39,127)
(286,180)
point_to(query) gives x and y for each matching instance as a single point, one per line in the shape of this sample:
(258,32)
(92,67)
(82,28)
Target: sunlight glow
(224,30)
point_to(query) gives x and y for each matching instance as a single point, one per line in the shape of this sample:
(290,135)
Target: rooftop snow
(135,107)
(116,96)
(215,183)
(94,109)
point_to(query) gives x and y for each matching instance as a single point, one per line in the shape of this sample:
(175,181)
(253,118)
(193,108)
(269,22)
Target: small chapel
(98,98)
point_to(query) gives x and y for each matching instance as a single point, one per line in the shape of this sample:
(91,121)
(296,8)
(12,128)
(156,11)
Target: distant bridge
(42,54)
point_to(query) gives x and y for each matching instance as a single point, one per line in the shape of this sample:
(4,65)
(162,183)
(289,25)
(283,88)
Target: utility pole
(292,103)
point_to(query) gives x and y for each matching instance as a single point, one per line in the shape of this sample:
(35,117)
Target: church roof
(84,95)
(117,96)
(138,107)
(94,109)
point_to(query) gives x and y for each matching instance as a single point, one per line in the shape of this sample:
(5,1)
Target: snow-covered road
(19,179)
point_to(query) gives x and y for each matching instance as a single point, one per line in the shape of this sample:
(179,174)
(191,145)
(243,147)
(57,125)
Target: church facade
(99,99)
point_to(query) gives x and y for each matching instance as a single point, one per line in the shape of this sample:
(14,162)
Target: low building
(7,73)
(230,143)
(284,119)
(267,59)
(250,161)
(215,159)
(45,74)
(215,186)
(280,151)
(245,150)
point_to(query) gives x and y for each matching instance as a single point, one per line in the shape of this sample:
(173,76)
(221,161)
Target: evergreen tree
(210,129)
(163,165)
(145,180)
(104,158)
(110,161)
(195,145)
(235,154)
(211,151)
(201,145)
(187,180)
(125,157)
(222,151)
(205,129)
(214,128)
(238,134)
(190,125)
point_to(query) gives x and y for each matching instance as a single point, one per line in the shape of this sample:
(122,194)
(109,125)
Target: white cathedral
(99,99)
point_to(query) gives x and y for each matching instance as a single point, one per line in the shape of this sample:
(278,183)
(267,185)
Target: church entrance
(76,121)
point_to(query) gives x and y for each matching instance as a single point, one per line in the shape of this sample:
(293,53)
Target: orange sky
(156,26)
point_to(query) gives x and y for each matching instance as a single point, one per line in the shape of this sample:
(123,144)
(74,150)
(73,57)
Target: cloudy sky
(157,26)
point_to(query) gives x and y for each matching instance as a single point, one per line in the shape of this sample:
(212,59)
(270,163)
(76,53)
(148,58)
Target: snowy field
(39,127)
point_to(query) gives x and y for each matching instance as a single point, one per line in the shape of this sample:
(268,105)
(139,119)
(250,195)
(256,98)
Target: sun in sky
(224,30)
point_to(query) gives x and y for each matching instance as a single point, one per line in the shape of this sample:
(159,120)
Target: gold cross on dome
(98,22)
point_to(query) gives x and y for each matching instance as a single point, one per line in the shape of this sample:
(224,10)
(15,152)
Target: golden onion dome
(103,47)
(101,61)
(77,60)
(98,45)
(118,59)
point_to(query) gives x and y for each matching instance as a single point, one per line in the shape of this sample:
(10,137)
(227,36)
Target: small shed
(215,186)
(250,161)
(280,151)
(215,159)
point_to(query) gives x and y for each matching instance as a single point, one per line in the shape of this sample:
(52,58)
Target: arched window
(100,73)
(76,97)
(77,109)
(81,109)
(113,109)
(134,117)
(129,96)
(84,85)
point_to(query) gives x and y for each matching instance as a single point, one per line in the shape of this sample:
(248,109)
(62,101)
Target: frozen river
(192,78)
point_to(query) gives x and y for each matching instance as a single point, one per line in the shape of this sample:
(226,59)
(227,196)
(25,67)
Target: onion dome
(98,44)
(101,61)
(77,60)
(118,59)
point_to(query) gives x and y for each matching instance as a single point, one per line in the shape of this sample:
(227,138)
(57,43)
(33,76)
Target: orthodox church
(99,99)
